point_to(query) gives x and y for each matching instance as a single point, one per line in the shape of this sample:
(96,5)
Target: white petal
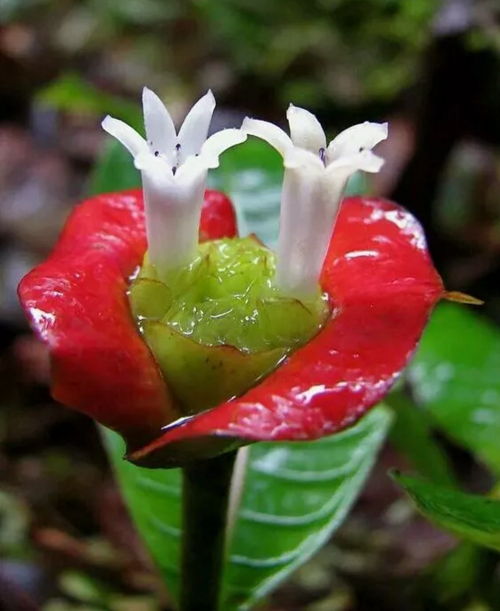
(193,166)
(355,139)
(147,161)
(305,129)
(173,209)
(221,141)
(308,211)
(365,161)
(125,134)
(307,161)
(160,130)
(194,130)
(269,132)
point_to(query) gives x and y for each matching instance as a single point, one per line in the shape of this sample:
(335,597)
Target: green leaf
(466,573)
(421,449)
(72,93)
(114,171)
(455,376)
(154,501)
(471,517)
(295,495)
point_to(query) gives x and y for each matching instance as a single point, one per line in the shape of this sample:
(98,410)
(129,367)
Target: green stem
(205,497)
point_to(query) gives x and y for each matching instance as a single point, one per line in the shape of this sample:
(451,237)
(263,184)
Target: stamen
(322,154)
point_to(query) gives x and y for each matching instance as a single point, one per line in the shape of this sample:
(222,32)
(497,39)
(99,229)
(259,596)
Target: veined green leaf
(455,377)
(114,171)
(295,495)
(420,447)
(471,517)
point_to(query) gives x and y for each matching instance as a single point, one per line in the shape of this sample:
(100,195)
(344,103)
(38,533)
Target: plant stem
(205,496)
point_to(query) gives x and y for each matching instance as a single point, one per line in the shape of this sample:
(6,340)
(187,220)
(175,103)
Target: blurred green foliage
(346,51)
(71,93)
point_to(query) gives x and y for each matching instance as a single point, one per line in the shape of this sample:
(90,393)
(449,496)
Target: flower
(383,288)
(315,178)
(174,172)
(376,273)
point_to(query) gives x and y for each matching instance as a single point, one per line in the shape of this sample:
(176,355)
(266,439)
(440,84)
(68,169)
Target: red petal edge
(77,305)
(383,287)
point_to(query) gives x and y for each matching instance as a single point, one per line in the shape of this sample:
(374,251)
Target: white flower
(174,170)
(315,178)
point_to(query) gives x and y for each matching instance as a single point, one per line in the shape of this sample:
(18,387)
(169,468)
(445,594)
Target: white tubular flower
(315,178)
(174,170)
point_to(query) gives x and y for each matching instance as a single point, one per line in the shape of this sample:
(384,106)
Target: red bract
(77,305)
(382,288)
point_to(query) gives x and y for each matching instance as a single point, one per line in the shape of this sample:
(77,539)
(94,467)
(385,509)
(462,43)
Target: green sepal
(201,376)
(219,324)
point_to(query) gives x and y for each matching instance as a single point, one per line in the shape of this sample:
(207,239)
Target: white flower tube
(174,171)
(315,179)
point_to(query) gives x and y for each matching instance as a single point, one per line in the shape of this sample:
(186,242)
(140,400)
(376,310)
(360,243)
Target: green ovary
(218,325)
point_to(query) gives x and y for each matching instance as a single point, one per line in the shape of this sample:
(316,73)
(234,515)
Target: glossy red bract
(77,304)
(382,287)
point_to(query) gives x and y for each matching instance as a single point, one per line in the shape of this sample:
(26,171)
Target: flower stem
(205,497)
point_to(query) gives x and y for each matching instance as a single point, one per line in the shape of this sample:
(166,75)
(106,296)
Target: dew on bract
(218,325)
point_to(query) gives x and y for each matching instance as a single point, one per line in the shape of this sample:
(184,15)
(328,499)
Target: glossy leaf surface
(295,495)
(114,171)
(455,375)
(419,447)
(471,517)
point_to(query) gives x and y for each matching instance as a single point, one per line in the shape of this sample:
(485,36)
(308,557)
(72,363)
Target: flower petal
(160,129)
(209,155)
(365,161)
(173,208)
(309,206)
(220,142)
(356,139)
(77,305)
(305,130)
(269,132)
(382,287)
(194,166)
(300,158)
(194,130)
(125,134)
(147,161)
